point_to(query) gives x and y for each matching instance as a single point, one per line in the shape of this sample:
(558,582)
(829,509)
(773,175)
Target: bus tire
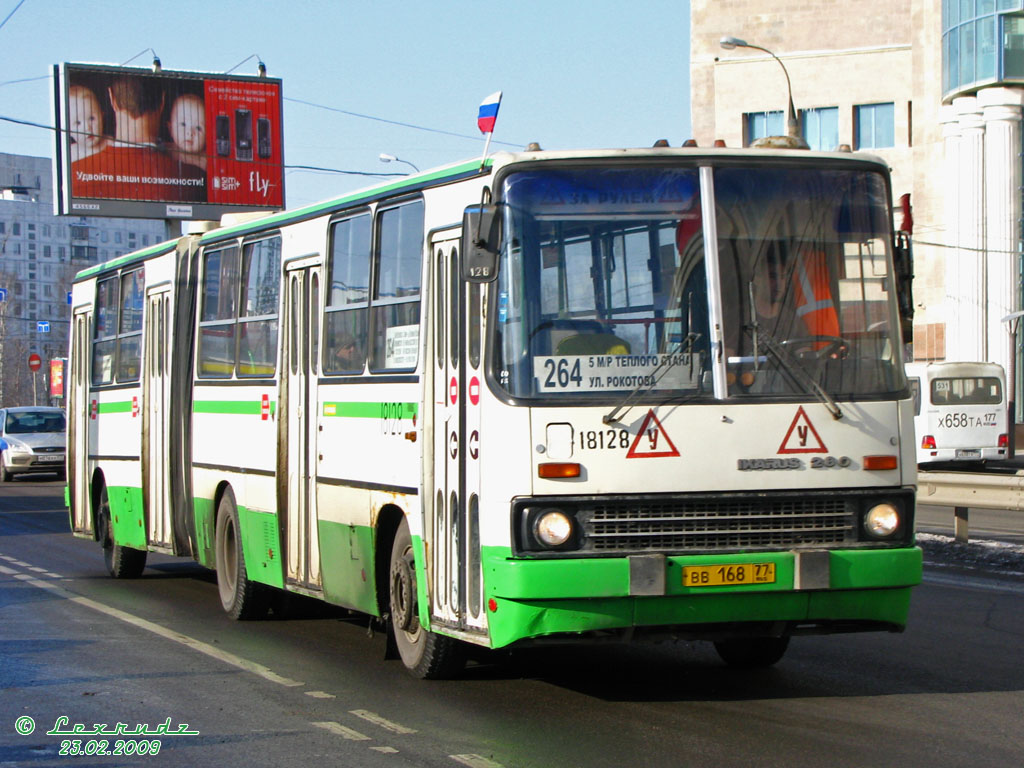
(426,655)
(240,597)
(122,562)
(752,652)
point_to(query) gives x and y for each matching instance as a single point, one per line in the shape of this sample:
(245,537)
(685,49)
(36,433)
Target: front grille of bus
(682,523)
(708,525)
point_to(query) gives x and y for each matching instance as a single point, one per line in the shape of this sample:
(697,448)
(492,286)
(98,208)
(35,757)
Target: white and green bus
(551,396)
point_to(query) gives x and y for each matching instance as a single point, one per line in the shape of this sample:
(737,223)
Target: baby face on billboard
(86,121)
(188,124)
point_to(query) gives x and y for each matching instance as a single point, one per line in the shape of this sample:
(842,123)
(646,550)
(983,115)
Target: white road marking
(156,629)
(340,730)
(376,719)
(321,695)
(475,761)
(385,750)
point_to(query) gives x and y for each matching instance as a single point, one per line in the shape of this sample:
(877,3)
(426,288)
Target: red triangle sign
(802,437)
(652,441)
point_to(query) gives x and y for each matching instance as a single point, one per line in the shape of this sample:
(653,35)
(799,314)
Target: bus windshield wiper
(796,372)
(669,360)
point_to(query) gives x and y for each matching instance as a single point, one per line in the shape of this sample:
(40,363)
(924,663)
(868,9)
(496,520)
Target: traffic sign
(35,362)
(42,326)
(3,294)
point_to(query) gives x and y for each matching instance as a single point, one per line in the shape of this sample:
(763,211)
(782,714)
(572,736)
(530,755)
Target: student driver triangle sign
(802,437)
(652,441)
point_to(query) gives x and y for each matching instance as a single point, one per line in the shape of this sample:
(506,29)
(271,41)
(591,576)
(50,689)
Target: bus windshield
(602,289)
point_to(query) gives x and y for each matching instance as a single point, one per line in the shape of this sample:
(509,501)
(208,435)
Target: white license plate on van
(968,454)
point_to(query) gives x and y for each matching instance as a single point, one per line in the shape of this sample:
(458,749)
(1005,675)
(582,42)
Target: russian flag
(489,113)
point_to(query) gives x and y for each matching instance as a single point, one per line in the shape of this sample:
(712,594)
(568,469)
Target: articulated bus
(548,397)
(960,412)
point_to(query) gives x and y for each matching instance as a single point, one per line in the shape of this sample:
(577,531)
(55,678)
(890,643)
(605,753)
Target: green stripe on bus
(372,410)
(232,407)
(119,406)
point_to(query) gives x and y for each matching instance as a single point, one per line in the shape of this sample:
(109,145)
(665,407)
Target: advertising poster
(160,144)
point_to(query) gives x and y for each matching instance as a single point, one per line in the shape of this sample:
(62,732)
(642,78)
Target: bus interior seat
(593,344)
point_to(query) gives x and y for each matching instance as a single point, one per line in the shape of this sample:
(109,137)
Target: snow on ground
(997,558)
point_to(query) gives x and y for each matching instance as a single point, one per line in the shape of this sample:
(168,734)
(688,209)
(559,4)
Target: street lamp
(792,124)
(386,158)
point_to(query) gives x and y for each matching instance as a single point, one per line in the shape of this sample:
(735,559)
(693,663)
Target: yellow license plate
(728,575)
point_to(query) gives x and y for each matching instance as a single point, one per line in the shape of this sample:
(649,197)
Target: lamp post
(386,158)
(792,124)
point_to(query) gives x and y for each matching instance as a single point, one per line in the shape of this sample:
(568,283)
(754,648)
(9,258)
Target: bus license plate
(728,575)
(961,454)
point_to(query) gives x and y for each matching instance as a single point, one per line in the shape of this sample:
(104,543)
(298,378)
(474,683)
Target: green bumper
(534,598)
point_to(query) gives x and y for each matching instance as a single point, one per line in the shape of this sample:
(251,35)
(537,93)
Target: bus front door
(297,412)
(451,525)
(156,418)
(79,412)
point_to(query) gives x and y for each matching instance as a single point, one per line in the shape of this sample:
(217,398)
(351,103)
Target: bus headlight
(882,521)
(552,528)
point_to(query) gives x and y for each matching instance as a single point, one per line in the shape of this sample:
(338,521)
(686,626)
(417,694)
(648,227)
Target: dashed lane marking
(475,761)
(376,719)
(345,732)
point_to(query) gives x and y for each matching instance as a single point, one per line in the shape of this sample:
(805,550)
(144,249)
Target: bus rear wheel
(426,654)
(752,652)
(240,597)
(122,562)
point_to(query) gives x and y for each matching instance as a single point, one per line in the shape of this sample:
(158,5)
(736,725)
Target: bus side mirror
(903,258)
(481,243)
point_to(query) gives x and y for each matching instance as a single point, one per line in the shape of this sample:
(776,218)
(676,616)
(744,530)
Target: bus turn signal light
(880,462)
(558,470)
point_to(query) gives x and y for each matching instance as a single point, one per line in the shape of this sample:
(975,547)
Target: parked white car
(32,439)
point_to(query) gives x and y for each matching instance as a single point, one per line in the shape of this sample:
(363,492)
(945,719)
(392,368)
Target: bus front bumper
(819,592)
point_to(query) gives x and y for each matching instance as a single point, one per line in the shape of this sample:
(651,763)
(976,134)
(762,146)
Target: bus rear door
(156,424)
(298,412)
(79,412)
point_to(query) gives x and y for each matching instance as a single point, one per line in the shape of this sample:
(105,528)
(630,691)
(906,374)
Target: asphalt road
(315,689)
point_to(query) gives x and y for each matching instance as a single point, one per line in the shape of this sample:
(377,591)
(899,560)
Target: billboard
(140,143)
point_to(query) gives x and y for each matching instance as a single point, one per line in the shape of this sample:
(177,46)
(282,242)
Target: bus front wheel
(426,654)
(122,562)
(752,652)
(240,597)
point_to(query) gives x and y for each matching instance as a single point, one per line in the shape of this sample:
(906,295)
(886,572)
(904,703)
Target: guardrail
(961,490)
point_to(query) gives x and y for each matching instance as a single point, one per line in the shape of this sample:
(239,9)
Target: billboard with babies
(159,144)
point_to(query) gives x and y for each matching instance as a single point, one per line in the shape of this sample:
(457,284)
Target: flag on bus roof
(489,113)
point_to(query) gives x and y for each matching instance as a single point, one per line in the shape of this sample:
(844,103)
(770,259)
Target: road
(315,689)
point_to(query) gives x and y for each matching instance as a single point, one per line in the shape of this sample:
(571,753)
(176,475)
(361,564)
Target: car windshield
(25,422)
(605,289)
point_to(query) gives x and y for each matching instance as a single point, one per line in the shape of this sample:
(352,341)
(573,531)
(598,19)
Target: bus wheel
(752,652)
(121,562)
(427,655)
(240,597)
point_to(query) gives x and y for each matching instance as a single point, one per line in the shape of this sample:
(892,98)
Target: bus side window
(396,294)
(348,291)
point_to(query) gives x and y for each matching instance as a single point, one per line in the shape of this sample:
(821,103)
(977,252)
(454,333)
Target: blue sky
(574,73)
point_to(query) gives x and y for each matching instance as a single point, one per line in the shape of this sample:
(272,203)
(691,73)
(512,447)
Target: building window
(1013,48)
(821,128)
(761,124)
(46,252)
(874,126)
(16,229)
